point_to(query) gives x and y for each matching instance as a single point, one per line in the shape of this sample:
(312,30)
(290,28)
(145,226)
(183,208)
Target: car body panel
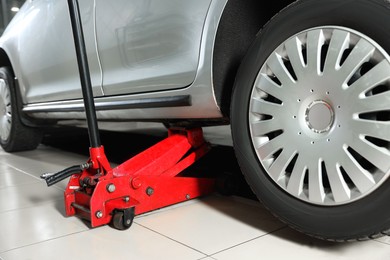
(153,46)
(43,57)
(201,105)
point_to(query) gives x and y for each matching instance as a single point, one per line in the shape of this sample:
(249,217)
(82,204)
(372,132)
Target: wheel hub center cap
(319,116)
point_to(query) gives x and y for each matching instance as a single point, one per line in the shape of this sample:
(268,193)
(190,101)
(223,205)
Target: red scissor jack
(150,180)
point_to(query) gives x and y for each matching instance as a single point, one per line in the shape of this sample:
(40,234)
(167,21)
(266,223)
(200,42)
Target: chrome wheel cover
(5,111)
(319,116)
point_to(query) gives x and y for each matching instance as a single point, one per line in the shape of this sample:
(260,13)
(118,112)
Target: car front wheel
(311,118)
(14,135)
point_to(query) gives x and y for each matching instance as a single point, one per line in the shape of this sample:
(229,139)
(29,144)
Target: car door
(47,58)
(149,45)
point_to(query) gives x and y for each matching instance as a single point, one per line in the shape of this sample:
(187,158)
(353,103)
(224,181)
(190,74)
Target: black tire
(14,135)
(310,114)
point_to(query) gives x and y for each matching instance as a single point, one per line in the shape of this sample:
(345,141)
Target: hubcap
(5,111)
(320,116)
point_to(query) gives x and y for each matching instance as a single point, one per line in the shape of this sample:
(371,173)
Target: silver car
(304,85)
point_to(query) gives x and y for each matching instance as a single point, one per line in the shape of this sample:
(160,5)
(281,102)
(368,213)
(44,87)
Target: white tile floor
(33,225)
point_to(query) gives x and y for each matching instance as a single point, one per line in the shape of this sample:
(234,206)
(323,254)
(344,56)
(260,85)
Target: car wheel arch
(232,42)
(5,60)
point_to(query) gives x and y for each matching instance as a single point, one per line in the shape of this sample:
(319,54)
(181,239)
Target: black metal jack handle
(85,77)
(86,87)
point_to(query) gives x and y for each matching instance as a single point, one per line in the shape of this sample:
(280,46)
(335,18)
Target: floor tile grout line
(20,184)
(22,171)
(211,255)
(29,207)
(181,243)
(203,258)
(31,175)
(29,183)
(44,241)
(249,240)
